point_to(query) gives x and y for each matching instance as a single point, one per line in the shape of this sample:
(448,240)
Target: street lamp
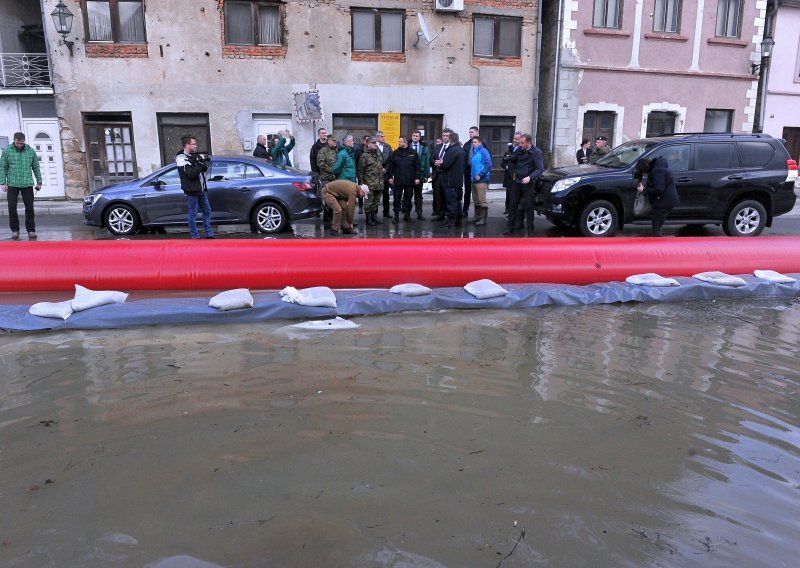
(761,69)
(62,18)
(766,52)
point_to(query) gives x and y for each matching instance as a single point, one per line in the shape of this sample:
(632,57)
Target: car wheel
(746,219)
(269,218)
(598,219)
(122,220)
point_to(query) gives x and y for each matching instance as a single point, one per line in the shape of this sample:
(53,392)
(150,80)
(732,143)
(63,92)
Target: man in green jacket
(16,164)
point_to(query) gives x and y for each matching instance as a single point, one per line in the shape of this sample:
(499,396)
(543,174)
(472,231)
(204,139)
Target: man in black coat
(402,167)
(660,189)
(451,177)
(529,166)
(319,144)
(261,148)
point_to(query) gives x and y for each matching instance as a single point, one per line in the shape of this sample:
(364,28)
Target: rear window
(755,154)
(715,156)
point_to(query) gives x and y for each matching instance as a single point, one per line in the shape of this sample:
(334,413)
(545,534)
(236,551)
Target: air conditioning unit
(449,5)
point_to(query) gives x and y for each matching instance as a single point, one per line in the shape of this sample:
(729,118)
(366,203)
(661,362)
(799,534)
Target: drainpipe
(560,24)
(536,74)
(763,70)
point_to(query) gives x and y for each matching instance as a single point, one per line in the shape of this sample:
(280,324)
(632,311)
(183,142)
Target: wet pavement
(618,435)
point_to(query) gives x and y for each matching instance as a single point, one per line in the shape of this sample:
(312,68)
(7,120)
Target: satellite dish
(423,29)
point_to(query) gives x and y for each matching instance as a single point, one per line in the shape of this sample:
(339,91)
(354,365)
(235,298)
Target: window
(253,23)
(755,154)
(715,156)
(171,127)
(660,122)
(110,148)
(667,16)
(118,21)
(607,14)
(718,120)
(379,30)
(676,155)
(228,171)
(729,16)
(359,125)
(497,37)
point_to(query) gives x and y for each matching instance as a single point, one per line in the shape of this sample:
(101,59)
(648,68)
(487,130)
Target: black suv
(739,181)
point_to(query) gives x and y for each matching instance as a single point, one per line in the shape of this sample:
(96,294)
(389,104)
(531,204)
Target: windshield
(625,154)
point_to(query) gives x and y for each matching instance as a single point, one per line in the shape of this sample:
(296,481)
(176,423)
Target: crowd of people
(387,183)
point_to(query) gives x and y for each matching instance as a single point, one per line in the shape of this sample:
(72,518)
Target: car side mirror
(217,178)
(158,184)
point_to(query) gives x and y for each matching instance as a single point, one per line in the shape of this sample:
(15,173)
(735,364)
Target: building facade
(143,73)
(635,68)
(782,100)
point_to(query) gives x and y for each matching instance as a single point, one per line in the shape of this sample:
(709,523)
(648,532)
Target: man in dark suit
(451,172)
(439,203)
(529,166)
(385,150)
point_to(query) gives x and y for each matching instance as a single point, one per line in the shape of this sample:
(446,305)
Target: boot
(484,214)
(396,218)
(438,217)
(477,216)
(419,216)
(449,222)
(370,222)
(407,217)
(458,221)
(375,219)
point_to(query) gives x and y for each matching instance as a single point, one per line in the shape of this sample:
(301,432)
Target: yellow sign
(389,123)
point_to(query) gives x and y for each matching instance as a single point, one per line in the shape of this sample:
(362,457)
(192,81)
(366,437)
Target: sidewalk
(74,207)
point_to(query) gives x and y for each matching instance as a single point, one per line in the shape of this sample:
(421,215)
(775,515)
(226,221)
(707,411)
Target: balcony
(25,73)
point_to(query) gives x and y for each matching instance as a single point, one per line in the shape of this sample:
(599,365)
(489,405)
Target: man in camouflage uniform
(370,173)
(326,157)
(601,148)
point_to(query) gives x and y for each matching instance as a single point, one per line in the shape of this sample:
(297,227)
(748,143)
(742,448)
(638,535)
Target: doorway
(496,133)
(43,137)
(269,126)
(792,136)
(599,123)
(430,125)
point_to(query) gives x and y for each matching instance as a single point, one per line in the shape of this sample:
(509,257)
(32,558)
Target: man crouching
(340,195)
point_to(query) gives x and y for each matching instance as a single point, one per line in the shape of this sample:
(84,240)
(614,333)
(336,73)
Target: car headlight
(564,184)
(91,199)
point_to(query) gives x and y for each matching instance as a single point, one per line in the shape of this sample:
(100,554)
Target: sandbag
(85,298)
(651,279)
(232,300)
(410,290)
(59,310)
(772,276)
(485,289)
(318,296)
(335,323)
(720,278)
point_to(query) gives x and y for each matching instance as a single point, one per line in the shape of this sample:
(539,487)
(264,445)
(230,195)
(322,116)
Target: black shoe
(14,235)
(210,237)
(420,217)
(375,219)
(333,232)
(348,231)
(32,236)
(450,222)
(360,209)
(396,218)
(370,222)
(387,214)
(508,232)
(407,218)
(458,221)
(355,224)
(438,217)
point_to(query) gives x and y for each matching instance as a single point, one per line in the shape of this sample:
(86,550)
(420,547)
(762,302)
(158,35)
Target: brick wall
(117,50)
(493,62)
(250,51)
(378,57)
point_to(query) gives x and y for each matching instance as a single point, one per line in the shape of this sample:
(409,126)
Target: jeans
(27,199)
(193,202)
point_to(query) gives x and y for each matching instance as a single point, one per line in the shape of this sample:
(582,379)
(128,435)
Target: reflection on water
(635,435)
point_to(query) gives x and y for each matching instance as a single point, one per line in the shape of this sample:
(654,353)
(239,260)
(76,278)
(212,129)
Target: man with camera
(192,168)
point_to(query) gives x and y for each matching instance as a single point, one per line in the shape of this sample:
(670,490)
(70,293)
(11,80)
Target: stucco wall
(185,70)
(783,88)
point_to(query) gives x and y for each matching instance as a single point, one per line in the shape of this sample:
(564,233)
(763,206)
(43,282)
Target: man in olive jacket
(16,164)
(370,173)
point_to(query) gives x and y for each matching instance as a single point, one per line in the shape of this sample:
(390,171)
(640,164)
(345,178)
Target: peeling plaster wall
(194,76)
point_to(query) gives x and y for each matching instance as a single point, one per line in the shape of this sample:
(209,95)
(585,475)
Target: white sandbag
(85,298)
(484,289)
(772,276)
(59,310)
(336,323)
(651,279)
(232,300)
(410,290)
(318,296)
(720,278)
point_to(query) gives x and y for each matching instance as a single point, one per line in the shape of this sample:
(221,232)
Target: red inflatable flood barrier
(376,263)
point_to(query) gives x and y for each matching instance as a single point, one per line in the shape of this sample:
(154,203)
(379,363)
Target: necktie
(416,148)
(441,152)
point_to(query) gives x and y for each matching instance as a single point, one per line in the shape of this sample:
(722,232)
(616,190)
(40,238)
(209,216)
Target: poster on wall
(307,106)
(389,124)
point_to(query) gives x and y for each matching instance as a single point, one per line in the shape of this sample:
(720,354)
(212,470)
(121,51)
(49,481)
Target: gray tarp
(269,306)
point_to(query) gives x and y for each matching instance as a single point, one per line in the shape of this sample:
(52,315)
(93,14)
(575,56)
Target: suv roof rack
(713,134)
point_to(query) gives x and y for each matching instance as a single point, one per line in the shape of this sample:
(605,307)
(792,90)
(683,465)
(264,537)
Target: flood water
(621,435)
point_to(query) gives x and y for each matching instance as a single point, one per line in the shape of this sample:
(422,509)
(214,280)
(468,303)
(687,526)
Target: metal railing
(24,70)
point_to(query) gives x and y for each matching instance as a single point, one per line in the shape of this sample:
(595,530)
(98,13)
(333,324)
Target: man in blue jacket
(480,168)
(529,166)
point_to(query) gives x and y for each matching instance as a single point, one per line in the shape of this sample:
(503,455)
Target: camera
(199,156)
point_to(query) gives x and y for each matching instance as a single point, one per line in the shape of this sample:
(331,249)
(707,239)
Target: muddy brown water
(620,435)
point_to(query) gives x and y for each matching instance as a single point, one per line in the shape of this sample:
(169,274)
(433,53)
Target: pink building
(782,108)
(635,68)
